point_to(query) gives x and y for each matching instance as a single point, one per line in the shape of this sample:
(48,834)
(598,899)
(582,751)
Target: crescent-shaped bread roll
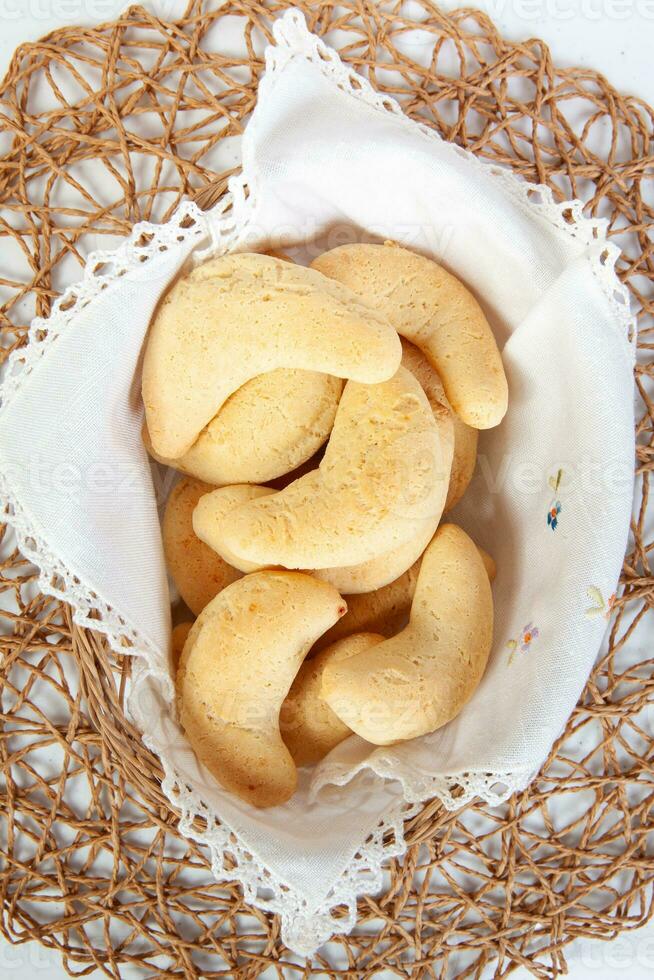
(376,573)
(269,427)
(383,478)
(434,310)
(385,610)
(420,679)
(198,572)
(236,670)
(309,727)
(465,437)
(238,316)
(212,512)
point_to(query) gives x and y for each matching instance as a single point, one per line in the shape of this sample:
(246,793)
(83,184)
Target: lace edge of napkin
(102,269)
(293,39)
(305,927)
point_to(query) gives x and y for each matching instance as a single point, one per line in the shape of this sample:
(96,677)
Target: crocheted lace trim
(303,928)
(294,40)
(103,270)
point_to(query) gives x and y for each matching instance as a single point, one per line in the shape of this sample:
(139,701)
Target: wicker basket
(93,864)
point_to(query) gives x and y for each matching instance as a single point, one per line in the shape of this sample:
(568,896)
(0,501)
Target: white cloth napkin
(327,160)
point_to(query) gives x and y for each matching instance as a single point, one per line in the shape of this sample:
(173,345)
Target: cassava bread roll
(241,315)
(198,572)
(212,512)
(383,478)
(309,727)
(177,641)
(420,679)
(238,663)
(376,573)
(489,564)
(463,462)
(379,572)
(385,610)
(270,426)
(436,312)
(465,437)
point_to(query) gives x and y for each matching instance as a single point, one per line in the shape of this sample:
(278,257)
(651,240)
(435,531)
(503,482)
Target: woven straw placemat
(92,862)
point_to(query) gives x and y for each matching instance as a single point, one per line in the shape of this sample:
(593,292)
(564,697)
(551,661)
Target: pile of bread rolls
(324,419)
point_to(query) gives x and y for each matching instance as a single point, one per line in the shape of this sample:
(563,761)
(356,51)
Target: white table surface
(614,36)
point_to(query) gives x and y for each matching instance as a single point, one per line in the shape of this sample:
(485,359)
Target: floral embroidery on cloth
(522,644)
(601,607)
(555,505)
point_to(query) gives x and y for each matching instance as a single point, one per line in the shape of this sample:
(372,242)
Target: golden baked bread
(241,315)
(243,385)
(376,573)
(489,564)
(212,511)
(309,727)
(385,610)
(177,641)
(434,310)
(198,572)
(269,427)
(420,679)
(382,480)
(210,518)
(238,663)
(465,438)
